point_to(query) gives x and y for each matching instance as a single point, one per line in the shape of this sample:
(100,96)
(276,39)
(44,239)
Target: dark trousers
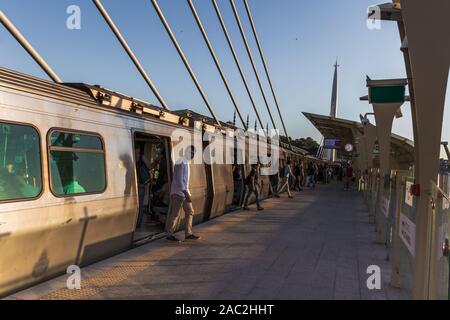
(273,185)
(297,183)
(248,192)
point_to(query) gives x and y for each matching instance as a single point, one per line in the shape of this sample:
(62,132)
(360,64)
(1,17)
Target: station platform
(315,246)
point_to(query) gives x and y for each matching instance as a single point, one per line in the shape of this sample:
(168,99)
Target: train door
(153,163)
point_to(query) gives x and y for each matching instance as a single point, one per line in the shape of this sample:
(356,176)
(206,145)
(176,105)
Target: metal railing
(392,208)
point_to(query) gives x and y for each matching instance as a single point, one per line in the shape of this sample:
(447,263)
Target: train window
(77,163)
(20,162)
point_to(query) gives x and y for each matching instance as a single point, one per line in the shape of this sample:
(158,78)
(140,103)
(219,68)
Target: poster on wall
(407,233)
(408,196)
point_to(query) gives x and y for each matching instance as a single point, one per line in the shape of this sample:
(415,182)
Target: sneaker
(260,209)
(276,196)
(291,197)
(192,237)
(172,238)
(246,208)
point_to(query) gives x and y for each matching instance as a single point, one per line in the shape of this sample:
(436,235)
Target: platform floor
(316,246)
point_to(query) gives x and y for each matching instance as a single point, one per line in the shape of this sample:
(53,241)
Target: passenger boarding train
(68,176)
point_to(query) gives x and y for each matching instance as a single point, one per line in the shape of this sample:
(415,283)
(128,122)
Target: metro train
(68,176)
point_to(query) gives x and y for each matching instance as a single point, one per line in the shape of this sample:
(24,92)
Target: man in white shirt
(180,197)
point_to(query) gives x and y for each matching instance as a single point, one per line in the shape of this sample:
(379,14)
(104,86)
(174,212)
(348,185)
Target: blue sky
(301,40)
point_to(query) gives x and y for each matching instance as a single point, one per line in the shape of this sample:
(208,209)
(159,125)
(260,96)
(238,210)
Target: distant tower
(248,121)
(234,118)
(335,92)
(334,105)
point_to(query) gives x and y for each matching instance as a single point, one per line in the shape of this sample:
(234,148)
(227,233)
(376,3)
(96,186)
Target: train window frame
(41,160)
(98,151)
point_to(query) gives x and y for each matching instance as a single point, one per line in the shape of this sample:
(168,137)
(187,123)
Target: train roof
(95,95)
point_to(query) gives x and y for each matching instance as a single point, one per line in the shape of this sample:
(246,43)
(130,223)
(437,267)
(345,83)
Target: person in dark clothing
(348,176)
(310,175)
(142,168)
(297,174)
(237,179)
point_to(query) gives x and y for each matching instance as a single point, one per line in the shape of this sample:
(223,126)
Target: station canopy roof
(346,131)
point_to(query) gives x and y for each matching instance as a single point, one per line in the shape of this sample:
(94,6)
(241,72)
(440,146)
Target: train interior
(155,196)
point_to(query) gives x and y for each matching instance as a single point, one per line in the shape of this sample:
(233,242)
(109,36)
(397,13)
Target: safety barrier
(394,221)
(439,286)
(392,208)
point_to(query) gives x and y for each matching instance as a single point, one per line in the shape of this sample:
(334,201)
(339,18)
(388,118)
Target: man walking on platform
(251,186)
(287,173)
(180,197)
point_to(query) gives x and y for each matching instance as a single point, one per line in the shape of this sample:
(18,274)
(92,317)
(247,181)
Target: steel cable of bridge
(216,62)
(236,59)
(252,61)
(130,53)
(184,59)
(28,47)
(263,59)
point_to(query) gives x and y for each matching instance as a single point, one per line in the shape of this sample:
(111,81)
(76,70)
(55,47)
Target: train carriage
(68,182)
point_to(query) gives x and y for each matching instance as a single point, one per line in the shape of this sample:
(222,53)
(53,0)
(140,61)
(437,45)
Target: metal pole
(236,60)
(130,53)
(247,8)
(216,61)
(185,61)
(28,47)
(244,38)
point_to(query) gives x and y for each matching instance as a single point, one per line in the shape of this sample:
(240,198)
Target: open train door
(154,193)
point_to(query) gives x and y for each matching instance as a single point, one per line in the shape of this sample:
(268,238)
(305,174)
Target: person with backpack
(143,175)
(251,186)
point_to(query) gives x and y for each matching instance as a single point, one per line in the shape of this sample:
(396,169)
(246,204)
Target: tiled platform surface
(316,246)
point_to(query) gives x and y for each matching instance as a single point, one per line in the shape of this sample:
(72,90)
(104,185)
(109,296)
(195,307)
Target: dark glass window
(20,162)
(77,163)
(75,140)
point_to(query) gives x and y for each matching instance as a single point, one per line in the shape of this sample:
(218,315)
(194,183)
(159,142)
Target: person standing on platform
(180,197)
(309,175)
(297,174)
(348,176)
